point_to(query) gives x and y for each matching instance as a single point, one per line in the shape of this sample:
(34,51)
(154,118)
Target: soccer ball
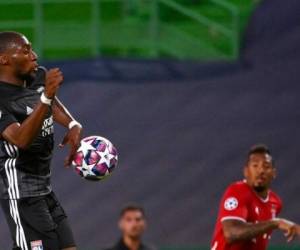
(95,159)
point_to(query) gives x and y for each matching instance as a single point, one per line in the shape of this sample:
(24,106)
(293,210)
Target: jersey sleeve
(233,204)
(6,118)
(38,83)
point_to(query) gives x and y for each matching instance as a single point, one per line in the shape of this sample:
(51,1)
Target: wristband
(73,124)
(46,100)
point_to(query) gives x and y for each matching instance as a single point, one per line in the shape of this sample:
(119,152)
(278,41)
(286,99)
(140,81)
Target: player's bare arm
(289,228)
(61,114)
(73,136)
(235,230)
(22,135)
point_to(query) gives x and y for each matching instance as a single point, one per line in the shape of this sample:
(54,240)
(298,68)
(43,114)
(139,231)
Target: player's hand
(54,78)
(72,137)
(297,229)
(289,228)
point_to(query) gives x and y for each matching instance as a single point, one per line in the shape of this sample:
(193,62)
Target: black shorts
(38,223)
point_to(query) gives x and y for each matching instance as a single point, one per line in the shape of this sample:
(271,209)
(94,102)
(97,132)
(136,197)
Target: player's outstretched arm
(297,229)
(289,228)
(61,114)
(73,136)
(236,230)
(22,135)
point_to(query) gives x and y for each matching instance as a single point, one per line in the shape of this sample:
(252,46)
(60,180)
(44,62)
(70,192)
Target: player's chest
(259,211)
(23,105)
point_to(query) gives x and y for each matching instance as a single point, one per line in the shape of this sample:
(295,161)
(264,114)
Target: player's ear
(3,59)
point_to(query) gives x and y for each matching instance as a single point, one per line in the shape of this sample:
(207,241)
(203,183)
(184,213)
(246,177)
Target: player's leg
(30,226)
(64,232)
(39,227)
(9,208)
(31,223)
(65,235)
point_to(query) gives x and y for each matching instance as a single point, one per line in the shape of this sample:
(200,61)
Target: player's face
(132,224)
(259,171)
(22,58)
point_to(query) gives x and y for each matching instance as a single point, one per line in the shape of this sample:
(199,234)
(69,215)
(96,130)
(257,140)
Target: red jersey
(240,202)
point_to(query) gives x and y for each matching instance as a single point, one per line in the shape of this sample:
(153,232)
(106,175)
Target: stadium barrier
(89,28)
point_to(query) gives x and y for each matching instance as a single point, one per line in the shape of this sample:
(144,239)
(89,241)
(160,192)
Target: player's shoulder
(274,197)
(7,93)
(239,186)
(237,190)
(39,81)
(40,74)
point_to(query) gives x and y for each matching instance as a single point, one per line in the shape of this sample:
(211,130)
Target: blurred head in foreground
(132,221)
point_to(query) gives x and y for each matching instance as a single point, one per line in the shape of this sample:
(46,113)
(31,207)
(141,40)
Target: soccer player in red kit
(248,210)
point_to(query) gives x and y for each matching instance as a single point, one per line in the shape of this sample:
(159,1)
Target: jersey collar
(264,200)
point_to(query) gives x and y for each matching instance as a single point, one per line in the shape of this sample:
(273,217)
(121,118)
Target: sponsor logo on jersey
(231,203)
(36,245)
(48,128)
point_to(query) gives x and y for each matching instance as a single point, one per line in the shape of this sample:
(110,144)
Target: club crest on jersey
(47,128)
(36,245)
(231,203)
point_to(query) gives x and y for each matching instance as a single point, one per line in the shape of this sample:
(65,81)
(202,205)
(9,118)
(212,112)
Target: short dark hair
(6,38)
(132,207)
(260,149)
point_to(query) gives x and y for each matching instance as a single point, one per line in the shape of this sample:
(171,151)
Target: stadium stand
(148,29)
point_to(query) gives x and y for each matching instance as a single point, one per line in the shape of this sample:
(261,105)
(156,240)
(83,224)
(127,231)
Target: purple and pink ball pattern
(96,158)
